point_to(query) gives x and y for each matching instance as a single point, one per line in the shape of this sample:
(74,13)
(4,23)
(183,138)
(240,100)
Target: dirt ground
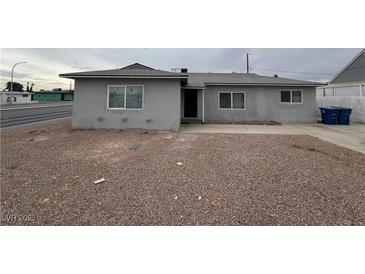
(48,174)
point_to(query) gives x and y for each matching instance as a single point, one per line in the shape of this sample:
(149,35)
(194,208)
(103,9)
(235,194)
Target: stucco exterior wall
(161,104)
(182,102)
(261,104)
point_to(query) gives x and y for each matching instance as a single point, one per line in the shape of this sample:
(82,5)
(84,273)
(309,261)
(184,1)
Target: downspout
(360,89)
(203,107)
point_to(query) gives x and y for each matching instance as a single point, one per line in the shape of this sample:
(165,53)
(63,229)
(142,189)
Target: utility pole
(11,83)
(247,63)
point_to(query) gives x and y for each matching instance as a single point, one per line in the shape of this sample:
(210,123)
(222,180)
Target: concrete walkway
(351,137)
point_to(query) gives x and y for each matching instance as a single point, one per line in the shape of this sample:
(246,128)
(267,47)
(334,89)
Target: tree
(16,86)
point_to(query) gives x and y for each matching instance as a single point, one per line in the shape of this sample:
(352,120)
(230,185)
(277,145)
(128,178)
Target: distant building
(16,97)
(53,96)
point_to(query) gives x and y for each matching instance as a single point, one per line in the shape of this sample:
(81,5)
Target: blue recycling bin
(344,118)
(330,115)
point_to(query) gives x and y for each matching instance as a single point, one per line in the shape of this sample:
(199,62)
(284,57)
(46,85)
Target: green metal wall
(68,97)
(47,97)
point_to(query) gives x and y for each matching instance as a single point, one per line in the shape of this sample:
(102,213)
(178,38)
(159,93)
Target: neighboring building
(138,96)
(52,96)
(16,97)
(347,88)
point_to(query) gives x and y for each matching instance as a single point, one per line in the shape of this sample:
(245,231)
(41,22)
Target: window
(285,96)
(238,100)
(231,100)
(116,97)
(296,96)
(224,100)
(125,97)
(291,96)
(134,97)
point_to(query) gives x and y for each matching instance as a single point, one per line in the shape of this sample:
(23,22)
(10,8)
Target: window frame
(231,93)
(291,97)
(125,97)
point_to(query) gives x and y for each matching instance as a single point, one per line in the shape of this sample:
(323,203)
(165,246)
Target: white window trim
(231,92)
(291,97)
(125,97)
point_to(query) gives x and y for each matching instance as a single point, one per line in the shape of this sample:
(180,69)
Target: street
(19,114)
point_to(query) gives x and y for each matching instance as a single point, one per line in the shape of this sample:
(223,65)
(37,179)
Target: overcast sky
(44,65)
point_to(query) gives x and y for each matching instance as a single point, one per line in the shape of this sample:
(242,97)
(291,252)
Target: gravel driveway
(222,179)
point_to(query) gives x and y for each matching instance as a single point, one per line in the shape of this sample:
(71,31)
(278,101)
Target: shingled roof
(135,70)
(198,80)
(249,79)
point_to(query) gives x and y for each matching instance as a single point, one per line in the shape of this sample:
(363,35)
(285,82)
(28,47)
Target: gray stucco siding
(261,104)
(161,103)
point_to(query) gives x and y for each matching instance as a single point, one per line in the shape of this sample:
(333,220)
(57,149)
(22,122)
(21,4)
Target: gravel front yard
(47,175)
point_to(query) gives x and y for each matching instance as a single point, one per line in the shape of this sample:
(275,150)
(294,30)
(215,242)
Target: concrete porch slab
(351,137)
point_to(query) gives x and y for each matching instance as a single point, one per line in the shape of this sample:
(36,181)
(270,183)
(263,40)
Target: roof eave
(193,87)
(265,84)
(122,76)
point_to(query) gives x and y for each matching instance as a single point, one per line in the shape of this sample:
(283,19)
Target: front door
(191,104)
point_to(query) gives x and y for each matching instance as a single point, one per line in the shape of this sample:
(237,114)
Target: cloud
(44,65)
(7,73)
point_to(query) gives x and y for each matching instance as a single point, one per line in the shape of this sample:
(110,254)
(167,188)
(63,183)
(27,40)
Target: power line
(297,72)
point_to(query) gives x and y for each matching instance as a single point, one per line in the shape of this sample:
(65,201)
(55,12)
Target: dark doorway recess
(191,104)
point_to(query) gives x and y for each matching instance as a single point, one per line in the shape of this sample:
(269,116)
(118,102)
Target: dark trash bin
(344,118)
(330,115)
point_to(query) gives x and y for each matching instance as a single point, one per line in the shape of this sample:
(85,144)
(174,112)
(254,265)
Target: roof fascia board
(192,87)
(122,76)
(262,84)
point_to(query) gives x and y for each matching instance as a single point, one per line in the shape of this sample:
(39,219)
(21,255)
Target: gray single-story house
(141,97)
